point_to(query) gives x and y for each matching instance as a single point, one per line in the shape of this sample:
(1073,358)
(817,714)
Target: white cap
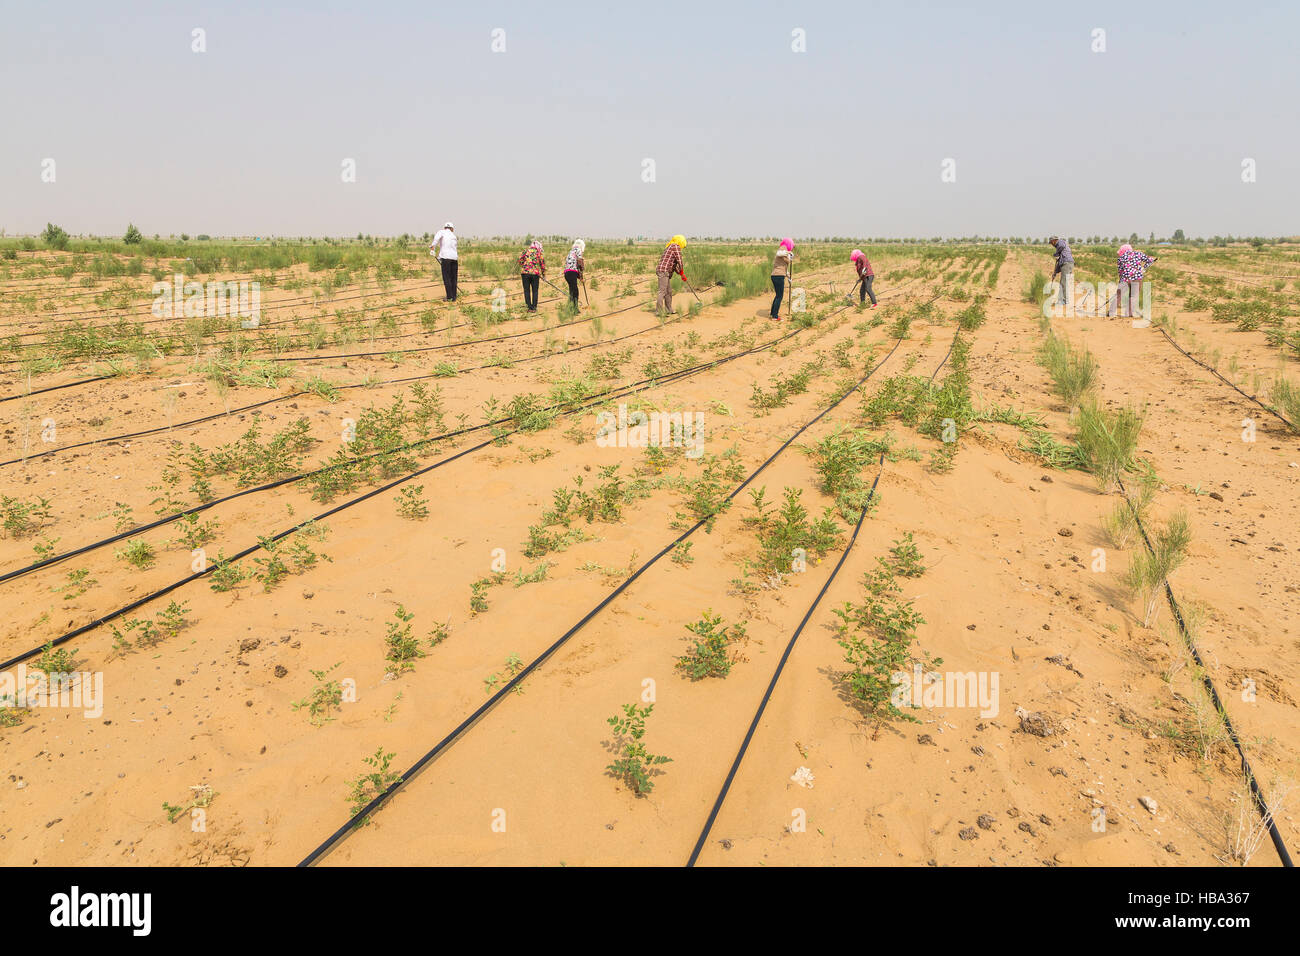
(447,225)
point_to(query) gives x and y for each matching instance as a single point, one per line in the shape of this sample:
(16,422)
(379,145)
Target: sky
(747,135)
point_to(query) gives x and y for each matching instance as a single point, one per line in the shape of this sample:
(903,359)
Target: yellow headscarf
(678,240)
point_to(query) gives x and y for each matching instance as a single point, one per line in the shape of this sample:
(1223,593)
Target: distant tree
(55,236)
(132,237)
(1178,236)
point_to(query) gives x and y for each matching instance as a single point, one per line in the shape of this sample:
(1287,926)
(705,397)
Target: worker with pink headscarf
(781,269)
(1132,266)
(865,275)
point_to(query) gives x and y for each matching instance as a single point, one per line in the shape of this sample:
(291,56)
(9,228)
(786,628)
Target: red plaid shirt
(671,260)
(864,268)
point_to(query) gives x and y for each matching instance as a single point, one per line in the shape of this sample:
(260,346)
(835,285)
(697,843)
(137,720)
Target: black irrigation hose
(278,306)
(1257,794)
(771,687)
(282,398)
(55,388)
(1242,277)
(342,832)
(422,307)
(452,345)
(404,335)
(101,378)
(425,303)
(283,305)
(433,348)
(776,675)
(113,615)
(290,479)
(285,398)
(1215,373)
(267,486)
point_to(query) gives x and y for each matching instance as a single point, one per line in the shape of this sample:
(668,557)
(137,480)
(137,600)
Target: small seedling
(636,765)
(138,554)
(370,785)
(411,503)
(710,656)
(326,696)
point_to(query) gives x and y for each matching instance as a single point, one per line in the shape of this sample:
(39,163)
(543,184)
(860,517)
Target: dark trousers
(572,279)
(450,269)
(778,286)
(531,285)
(866,290)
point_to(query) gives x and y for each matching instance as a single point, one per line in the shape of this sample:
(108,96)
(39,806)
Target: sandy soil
(1010,589)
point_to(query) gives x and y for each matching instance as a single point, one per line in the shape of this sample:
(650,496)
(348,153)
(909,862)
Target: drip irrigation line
(421,285)
(100,378)
(1256,792)
(1215,372)
(512,335)
(290,479)
(776,675)
(789,648)
(267,486)
(428,303)
(298,394)
(259,329)
(55,388)
(668,378)
(404,335)
(1242,277)
(435,348)
(464,726)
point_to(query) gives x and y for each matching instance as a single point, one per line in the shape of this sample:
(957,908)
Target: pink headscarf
(787,244)
(1125,248)
(856,255)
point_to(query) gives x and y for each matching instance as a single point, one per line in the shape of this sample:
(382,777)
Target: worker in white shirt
(444,247)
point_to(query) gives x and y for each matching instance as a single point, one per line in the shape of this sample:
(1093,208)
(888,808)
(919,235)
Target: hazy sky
(747,136)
